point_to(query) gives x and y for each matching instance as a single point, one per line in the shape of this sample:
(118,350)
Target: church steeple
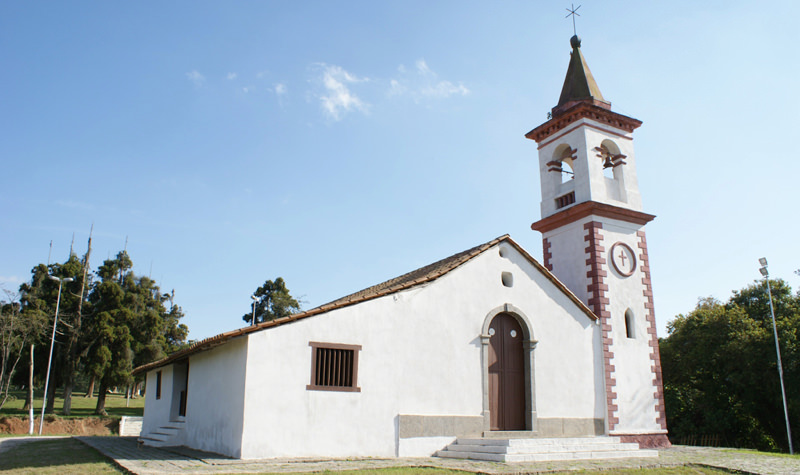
(579,85)
(593,239)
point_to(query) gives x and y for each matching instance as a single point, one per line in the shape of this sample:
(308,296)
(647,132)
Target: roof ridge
(421,274)
(432,271)
(390,286)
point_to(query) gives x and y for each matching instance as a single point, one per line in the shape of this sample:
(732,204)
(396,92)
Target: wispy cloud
(10,279)
(232,76)
(198,79)
(337,99)
(281,90)
(422,82)
(75,205)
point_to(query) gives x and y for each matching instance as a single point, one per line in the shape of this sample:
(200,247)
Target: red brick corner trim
(597,302)
(658,385)
(647,441)
(547,254)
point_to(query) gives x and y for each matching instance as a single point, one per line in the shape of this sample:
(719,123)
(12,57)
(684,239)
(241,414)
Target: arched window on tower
(561,168)
(629,324)
(568,155)
(612,162)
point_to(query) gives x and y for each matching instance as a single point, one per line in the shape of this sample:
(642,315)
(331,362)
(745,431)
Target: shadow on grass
(53,456)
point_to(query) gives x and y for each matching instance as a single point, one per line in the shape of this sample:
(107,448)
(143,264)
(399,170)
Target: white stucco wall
(421,355)
(157,411)
(215,402)
(633,366)
(568,250)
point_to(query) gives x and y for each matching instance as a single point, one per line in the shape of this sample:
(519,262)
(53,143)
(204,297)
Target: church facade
(486,342)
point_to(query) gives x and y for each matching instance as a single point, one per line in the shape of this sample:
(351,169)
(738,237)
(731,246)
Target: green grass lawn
(55,456)
(773,454)
(81,406)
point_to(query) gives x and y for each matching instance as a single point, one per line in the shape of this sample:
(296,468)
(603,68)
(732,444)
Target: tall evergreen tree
(129,325)
(273,301)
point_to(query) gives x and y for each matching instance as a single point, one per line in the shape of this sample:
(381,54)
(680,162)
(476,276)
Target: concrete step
(486,449)
(579,456)
(540,442)
(168,430)
(130,426)
(543,450)
(472,456)
(165,436)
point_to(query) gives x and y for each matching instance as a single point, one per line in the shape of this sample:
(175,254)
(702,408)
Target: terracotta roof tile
(403,282)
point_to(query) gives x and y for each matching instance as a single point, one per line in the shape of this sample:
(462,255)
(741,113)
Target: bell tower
(594,241)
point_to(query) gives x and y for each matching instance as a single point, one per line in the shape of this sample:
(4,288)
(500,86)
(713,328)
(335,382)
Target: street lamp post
(765,272)
(52,343)
(255,299)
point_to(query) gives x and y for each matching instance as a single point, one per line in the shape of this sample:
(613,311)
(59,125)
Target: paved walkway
(151,460)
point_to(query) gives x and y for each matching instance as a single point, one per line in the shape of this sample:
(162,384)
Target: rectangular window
(334,367)
(158,384)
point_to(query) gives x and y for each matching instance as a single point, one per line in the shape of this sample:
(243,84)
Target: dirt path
(61,425)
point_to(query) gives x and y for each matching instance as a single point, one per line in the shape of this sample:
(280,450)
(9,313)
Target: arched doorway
(506,373)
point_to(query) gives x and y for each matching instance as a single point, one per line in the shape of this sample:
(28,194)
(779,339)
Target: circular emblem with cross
(623,259)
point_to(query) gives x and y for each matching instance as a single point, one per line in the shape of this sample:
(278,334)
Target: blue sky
(339,144)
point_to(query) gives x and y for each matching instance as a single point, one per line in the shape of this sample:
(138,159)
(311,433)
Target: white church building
(486,345)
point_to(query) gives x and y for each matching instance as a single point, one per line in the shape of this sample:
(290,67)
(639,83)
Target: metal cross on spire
(573,13)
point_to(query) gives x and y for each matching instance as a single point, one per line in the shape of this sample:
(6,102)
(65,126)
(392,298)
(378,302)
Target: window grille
(334,367)
(565,200)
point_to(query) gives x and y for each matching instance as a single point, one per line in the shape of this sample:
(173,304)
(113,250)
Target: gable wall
(215,402)
(421,355)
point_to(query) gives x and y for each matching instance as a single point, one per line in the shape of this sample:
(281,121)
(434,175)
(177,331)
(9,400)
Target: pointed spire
(579,85)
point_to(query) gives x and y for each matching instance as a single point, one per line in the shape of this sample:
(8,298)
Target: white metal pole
(780,366)
(50,359)
(30,392)
(52,344)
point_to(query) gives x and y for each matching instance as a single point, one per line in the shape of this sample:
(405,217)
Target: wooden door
(506,374)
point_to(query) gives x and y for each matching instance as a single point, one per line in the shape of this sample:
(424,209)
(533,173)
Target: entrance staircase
(167,435)
(543,450)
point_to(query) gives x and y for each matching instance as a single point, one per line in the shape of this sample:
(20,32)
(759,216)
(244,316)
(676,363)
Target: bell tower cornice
(585,109)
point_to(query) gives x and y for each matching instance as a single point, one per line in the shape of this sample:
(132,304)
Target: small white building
(485,342)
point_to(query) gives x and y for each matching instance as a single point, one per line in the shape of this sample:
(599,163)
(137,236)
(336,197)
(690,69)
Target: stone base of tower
(647,441)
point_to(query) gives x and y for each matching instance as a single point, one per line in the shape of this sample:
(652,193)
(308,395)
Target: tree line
(720,368)
(109,321)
